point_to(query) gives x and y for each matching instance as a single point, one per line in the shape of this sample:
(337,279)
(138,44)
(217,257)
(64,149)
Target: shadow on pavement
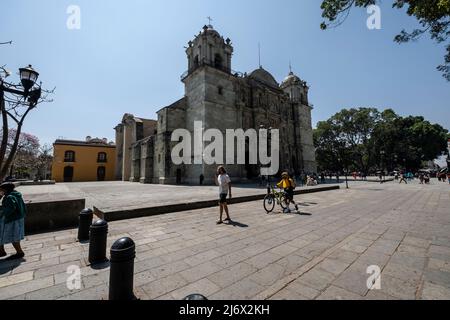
(9,265)
(237,224)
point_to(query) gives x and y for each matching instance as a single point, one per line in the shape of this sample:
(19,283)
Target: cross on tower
(209,19)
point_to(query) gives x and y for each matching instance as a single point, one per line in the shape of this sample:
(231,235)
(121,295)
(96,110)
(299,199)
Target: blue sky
(128,57)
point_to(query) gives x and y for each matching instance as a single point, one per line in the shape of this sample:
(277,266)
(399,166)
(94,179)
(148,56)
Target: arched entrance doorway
(68,174)
(101,173)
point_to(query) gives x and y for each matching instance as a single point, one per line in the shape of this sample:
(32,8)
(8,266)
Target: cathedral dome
(291,79)
(265,77)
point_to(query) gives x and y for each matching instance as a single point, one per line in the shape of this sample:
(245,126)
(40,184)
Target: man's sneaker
(287,210)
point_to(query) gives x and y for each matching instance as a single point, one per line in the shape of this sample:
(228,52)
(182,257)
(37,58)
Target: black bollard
(195,296)
(85,221)
(121,275)
(97,242)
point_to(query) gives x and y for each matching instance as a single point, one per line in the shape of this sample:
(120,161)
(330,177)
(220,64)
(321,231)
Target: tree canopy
(366,140)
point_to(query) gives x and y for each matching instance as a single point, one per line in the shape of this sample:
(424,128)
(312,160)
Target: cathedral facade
(221,99)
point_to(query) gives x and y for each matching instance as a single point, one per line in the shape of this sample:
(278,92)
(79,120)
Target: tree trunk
(12,153)
(5,132)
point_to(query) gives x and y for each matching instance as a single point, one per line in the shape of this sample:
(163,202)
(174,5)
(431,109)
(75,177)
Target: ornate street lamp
(28,77)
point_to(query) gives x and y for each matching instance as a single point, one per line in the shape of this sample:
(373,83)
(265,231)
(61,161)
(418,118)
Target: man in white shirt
(224,183)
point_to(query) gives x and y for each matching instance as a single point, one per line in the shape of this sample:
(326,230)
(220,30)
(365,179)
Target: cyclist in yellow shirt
(288,184)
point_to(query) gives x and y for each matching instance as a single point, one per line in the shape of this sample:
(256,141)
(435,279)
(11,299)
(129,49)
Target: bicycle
(275,197)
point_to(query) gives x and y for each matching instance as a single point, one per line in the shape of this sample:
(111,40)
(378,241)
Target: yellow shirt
(285,183)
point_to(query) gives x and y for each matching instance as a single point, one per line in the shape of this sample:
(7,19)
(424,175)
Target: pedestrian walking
(403,178)
(224,183)
(12,220)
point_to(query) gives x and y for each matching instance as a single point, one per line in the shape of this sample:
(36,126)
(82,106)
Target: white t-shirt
(224,182)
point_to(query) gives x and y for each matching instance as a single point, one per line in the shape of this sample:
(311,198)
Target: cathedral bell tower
(209,48)
(297,90)
(209,91)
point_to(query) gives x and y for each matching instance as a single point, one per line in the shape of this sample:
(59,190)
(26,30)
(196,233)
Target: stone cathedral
(222,99)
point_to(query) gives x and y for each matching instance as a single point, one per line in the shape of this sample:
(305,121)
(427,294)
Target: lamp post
(27,92)
(382,154)
(28,78)
(269,141)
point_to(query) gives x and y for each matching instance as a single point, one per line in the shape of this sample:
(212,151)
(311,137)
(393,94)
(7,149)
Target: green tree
(432,15)
(367,140)
(343,141)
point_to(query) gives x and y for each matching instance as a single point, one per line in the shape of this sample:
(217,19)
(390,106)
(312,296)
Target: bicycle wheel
(269,203)
(284,202)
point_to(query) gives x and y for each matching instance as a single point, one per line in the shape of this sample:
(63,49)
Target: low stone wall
(157,210)
(52,215)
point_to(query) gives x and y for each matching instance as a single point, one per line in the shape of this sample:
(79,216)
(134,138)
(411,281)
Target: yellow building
(82,161)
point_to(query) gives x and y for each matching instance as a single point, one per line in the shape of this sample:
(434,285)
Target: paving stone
(398,288)
(432,291)
(16,278)
(268,275)
(163,286)
(439,264)
(244,289)
(354,279)
(263,259)
(335,293)
(25,287)
(403,272)
(291,263)
(204,287)
(287,294)
(229,276)
(344,256)
(317,279)
(408,260)
(201,271)
(333,266)
(303,290)
(416,242)
(96,293)
(438,277)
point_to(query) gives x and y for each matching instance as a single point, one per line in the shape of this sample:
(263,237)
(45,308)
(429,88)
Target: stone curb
(152,211)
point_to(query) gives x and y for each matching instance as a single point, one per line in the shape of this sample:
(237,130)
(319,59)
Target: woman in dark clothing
(12,217)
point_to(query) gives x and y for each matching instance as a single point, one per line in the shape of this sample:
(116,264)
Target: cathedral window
(218,61)
(220,90)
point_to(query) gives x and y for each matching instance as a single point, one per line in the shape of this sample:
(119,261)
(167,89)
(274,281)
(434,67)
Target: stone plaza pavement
(322,254)
(118,195)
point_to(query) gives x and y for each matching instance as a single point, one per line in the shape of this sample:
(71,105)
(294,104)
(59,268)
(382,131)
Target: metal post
(121,276)
(85,221)
(97,242)
(195,296)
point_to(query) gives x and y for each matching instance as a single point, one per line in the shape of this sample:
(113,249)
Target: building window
(69,156)
(102,157)
(218,61)
(159,158)
(220,90)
